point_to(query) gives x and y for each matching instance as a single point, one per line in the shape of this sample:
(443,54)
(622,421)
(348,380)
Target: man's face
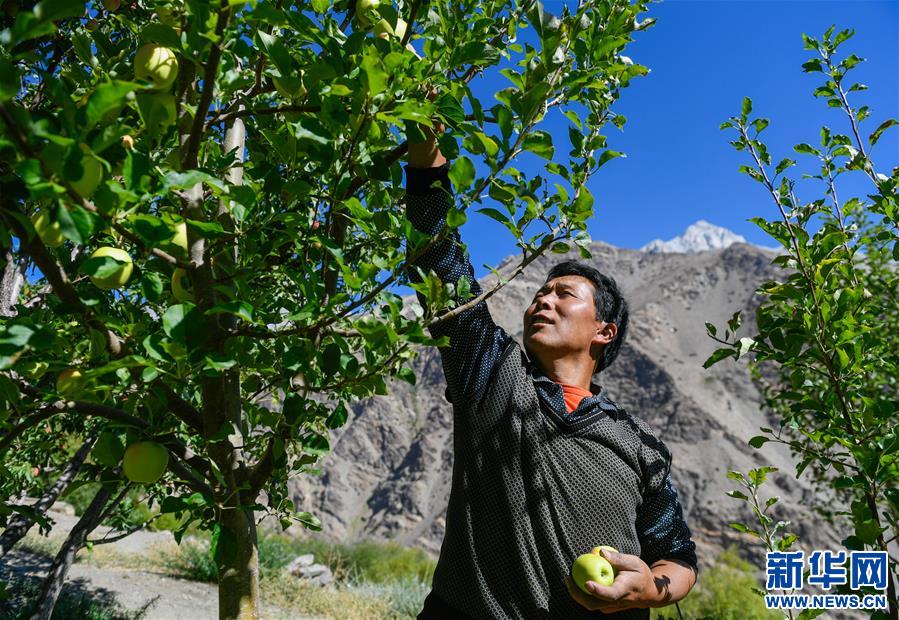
(561,319)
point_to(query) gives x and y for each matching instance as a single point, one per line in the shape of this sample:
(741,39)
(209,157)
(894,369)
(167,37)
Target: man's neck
(569,370)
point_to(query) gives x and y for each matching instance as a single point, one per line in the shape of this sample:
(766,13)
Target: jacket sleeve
(661,528)
(475,341)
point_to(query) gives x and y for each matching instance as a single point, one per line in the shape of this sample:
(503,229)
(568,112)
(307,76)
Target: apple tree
(826,349)
(206,198)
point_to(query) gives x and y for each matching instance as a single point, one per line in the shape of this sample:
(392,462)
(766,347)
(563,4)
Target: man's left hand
(634,586)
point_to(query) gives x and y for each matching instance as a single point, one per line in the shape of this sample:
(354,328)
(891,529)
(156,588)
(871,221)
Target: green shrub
(191,560)
(722,593)
(21,598)
(365,561)
(406,597)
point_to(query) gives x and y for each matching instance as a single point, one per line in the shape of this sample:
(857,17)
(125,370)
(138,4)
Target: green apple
(157,111)
(182,288)
(592,567)
(156,64)
(291,87)
(118,277)
(366,10)
(384,27)
(145,462)
(69,382)
(91,175)
(180,238)
(49,232)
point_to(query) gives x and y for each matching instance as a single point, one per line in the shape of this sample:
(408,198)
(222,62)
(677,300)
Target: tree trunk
(63,561)
(238,561)
(238,567)
(11,284)
(19,524)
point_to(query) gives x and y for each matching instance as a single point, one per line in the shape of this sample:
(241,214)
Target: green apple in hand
(592,567)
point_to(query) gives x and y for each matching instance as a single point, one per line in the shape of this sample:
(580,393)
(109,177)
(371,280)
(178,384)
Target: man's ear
(605,333)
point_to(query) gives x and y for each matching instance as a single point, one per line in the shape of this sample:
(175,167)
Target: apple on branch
(69,382)
(366,11)
(117,277)
(91,174)
(181,286)
(156,64)
(48,231)
(145,462)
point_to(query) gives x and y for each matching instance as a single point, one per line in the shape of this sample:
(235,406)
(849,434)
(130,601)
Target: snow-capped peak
(699,237)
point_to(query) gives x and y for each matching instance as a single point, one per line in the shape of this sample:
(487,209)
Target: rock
(299,562)
(305,568)
(317,574)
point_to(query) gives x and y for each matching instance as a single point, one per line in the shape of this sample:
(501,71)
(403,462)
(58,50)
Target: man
(546,466)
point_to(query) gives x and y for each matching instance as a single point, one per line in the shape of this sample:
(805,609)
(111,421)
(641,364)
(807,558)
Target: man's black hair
(611,306)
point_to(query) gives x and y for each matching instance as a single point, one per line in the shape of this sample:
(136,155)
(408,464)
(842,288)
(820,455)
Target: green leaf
(533,99)
(238,308)
(504,120)
(540,143)
(875,136)
(276,51)
(101,266)
(719,355)
(607,155)
(109,449)
(584,201)
(162,34)
(184,323)
(758,441)
(462,173)
(812,65)
(9,80)
(105,98)
(223,545)
(450,110)
(455,217)
(737,495)
(375,75)
(746,108)
(783,165)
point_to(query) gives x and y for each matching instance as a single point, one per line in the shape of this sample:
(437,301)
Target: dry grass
(340,603)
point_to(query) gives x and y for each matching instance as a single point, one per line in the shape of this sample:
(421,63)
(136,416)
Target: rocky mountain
(699,237)
(389,474)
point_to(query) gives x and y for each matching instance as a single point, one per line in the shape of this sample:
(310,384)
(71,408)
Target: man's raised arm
(476,343)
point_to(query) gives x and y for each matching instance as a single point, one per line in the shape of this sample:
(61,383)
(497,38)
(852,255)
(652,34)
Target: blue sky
(704,57)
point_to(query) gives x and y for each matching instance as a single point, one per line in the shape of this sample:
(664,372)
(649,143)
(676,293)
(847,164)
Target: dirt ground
(164,597)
